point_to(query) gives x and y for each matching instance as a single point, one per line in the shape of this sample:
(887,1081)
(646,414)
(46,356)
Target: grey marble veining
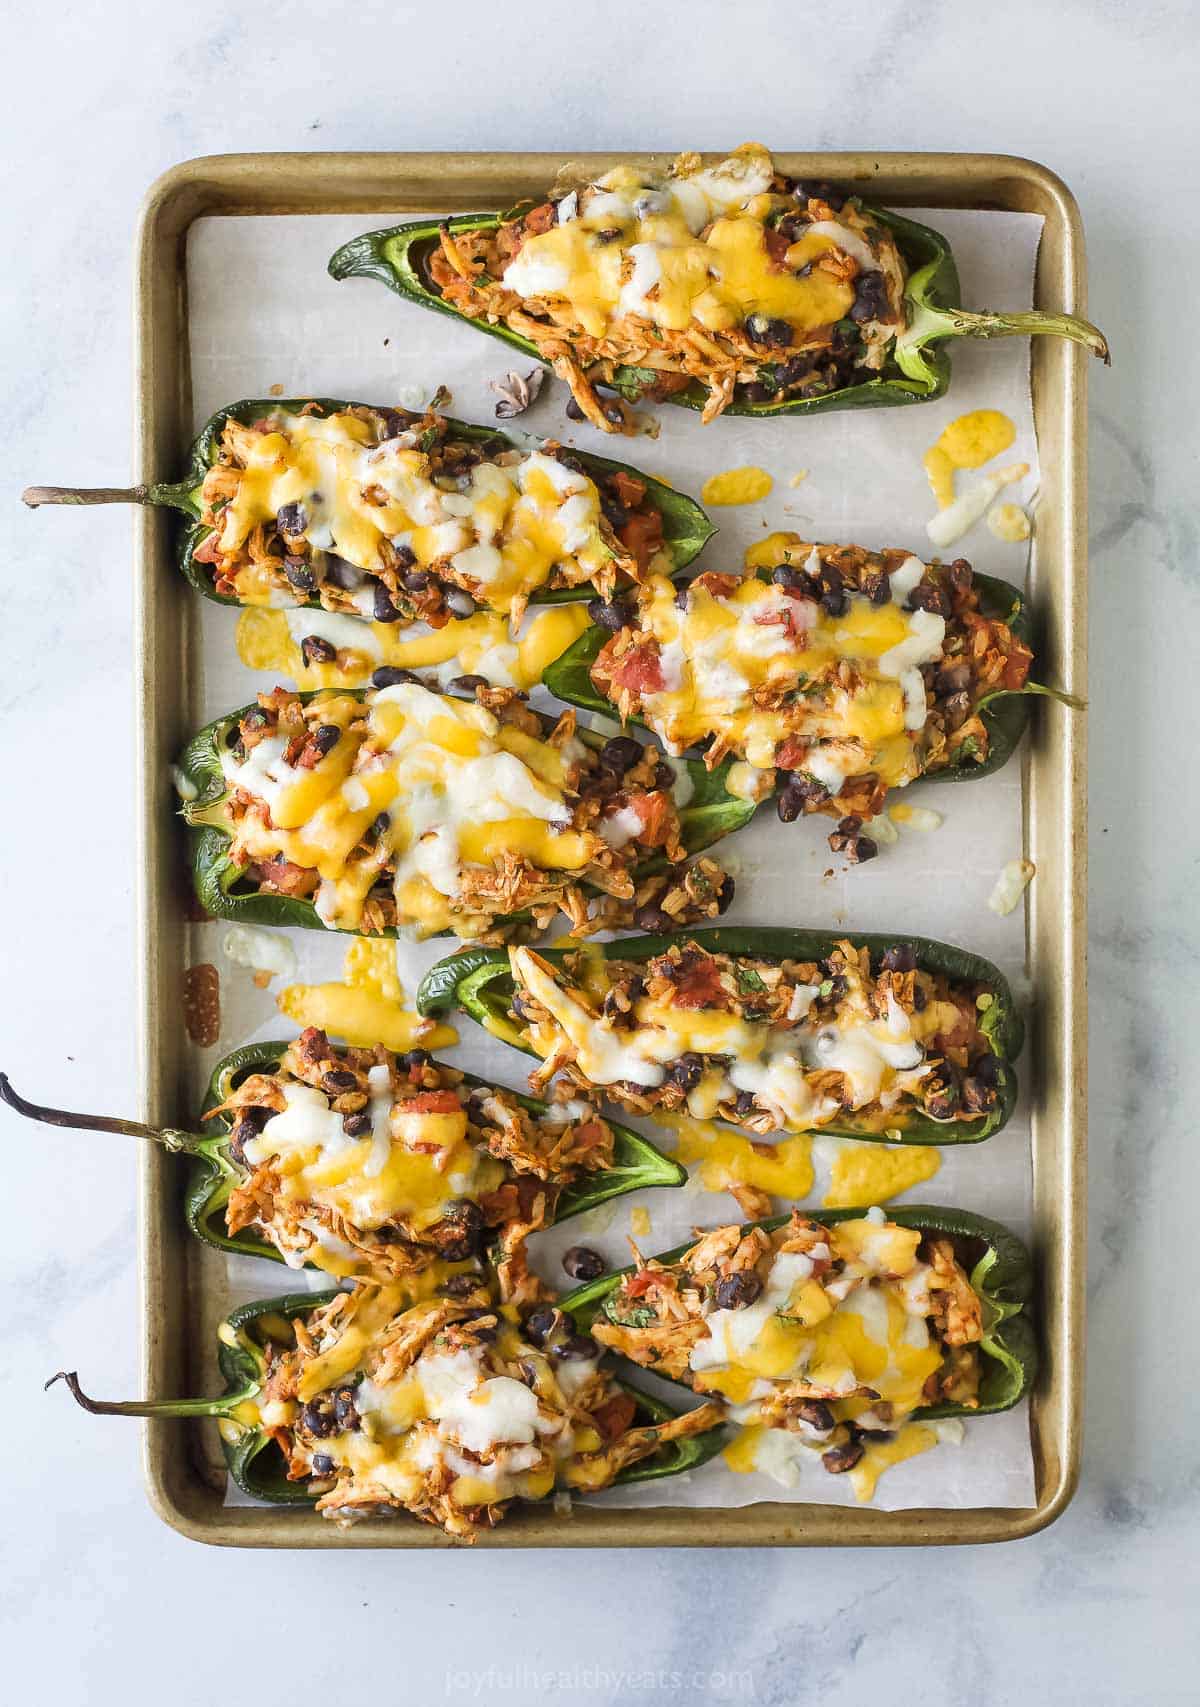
(99,1602)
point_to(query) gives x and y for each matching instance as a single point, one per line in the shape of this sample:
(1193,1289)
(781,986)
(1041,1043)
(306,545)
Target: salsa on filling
(768,1045)
(361,1161)
(823,1340)
(845,674)
(409,808)
(733,275)
(386,515)
(450,1407)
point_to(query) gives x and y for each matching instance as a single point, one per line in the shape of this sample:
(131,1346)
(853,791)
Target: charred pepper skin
(255,1463)
(1006,716)
(917,370)
(478,981)
(1001,1272)
(686,527)
(710,814)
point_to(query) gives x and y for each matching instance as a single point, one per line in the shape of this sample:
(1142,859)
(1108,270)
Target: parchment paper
(264,313)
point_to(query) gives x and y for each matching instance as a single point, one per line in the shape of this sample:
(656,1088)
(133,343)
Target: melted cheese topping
(688,251)
(737,486)
(875,1336)
(479,645)
(408,1168)
(718,651)
(503,528)
(459,789)
(368,1006)
(880,1060)
(724,1159)
(444,1406)
(968,442)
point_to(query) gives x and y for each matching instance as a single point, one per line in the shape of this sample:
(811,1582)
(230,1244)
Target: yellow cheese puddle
(264,642)
(776,549)
(1009,522)
(368,1006)
(909,1442)
(726,1158)
(863,1174)
(737,486)
(639,1222)
(967,442)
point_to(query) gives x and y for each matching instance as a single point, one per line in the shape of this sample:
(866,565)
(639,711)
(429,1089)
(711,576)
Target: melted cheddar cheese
(724,1159)
(686,252)
(717,652)
(875,1173)
(479,645)
(503,527)
(880,1059)
(367,1006)
(456,788)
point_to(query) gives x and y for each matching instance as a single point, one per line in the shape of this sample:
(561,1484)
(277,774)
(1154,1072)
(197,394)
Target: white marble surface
(99,1602)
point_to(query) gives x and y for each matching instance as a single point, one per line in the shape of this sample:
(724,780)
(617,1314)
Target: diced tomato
(777,247)
(540,219)
(614,1416)
(656,814)
(639,669)
(639,1283)
(1016,670)
(591,1132)
(642,535)
(284,878)
(209,551)
(716,585)
(629,489)
(791,753)
(698,984)
(432,1102)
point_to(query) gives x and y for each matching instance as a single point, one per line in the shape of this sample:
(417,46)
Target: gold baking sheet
(181,1487)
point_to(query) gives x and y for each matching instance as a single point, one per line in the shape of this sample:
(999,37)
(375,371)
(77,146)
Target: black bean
(687,1072)
(901,957)
(384,610)
(839,1459)
(389,676)
(653,920)
(977,1097)
(610,613)
(314,650)
(482,1329)
(317,1421)
(540,1323)
(942,1101)
(467,684)
(345,1410)
(299,573)
(794,370)
(242,1133)
(615,513)
(576,1346)
(322,1464)
(738,1290)
(987,1069)
(292,519)
(338,1080)
(815,1412)
(797,793)
(725,893)
(610,234)
(833,591)
(620,754)
(811,189)
(416,1058)
(762,329)
(463,1223)
(256,718)
(581,1262)
(683,598)
(785,576)
(744,1105)
(460,1285)
(397,421)
(341,574)
(574,412)
(870,298)
(926,596)
(756,392)
(356,1125)
(325,738)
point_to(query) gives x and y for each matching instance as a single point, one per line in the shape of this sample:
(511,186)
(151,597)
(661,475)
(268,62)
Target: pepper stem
(148,1407)
(36,496)
(927,324)
(190,1143)
(1074,700)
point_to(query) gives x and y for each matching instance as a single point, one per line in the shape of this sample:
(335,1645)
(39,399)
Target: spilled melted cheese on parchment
(683,252)
(714,654)
(479,645)
(503,527)
(880,1059)
(367,1006)
(458,788)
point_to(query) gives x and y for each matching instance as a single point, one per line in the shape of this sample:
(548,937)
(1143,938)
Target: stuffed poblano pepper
(827,673)
(363,1162)
(364,511)
(730,288)
(443,1401)
(772,1030)
(844,1341)
(403,809)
